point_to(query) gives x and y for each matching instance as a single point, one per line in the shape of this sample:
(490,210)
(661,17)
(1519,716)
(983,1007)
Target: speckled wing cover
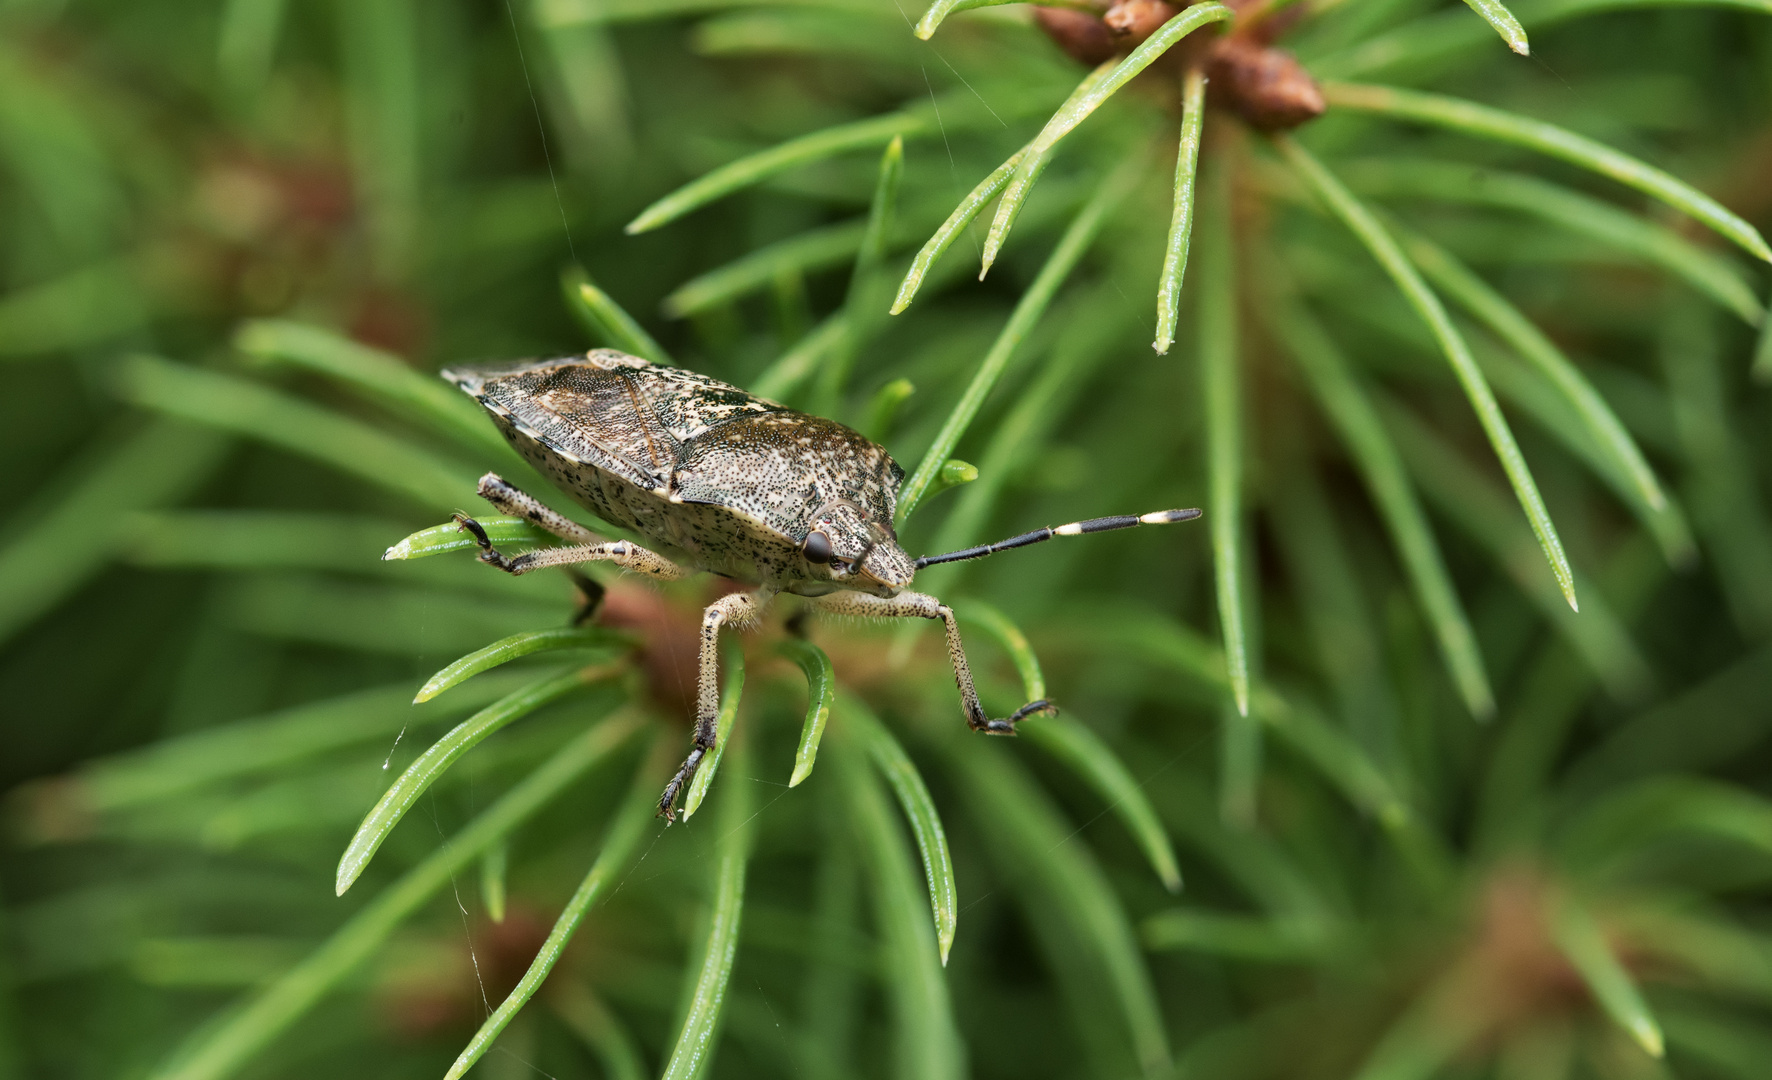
(686,438)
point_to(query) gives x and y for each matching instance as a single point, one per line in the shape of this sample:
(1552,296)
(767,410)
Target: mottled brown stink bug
(725,482)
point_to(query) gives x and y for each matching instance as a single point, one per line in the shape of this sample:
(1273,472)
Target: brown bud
(1267,87)
(1134,20)
(669,636)
(1082,36)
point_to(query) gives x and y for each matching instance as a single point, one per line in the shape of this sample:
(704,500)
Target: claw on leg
(1006,726)
(736,610)
(488,554)
(668,801)
(910,605)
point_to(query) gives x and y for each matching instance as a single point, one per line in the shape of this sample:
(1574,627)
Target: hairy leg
(735,609)
(907,605)
(628,556)
(509,499)
(590,547)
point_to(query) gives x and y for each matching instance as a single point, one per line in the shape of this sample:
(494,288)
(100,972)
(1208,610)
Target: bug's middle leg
(908,605)
(735,609)
(590,596)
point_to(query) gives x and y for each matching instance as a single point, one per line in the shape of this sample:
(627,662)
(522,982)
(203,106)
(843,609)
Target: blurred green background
(1463,831)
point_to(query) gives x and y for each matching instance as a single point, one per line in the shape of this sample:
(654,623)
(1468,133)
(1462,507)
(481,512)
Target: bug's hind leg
(589,547)
(735,609)
(908,605)
(512,500)
(509,499)
(627,555)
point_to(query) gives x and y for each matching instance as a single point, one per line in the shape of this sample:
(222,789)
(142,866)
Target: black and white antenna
(1075,528)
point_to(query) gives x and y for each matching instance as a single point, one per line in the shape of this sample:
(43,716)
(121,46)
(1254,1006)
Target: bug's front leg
(735,609)
(908,605)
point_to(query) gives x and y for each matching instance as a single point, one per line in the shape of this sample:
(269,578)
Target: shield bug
(722,481)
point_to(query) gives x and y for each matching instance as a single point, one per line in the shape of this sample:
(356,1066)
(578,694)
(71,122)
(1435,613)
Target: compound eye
(817,548)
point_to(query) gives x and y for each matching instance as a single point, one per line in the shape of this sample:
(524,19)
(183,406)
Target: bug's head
(845,546)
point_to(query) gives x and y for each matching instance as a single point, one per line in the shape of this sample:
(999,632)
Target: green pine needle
(1222,400)
(605,319)
(219,1049)
(694,1046)
(1033,304)
(1361,222)
(1491,123)
(1497,15)
(1181,221)
(821,681)
(431,765)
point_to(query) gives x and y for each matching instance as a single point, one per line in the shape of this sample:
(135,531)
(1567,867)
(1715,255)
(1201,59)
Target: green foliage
(1489,335)
(907,784)
(821,685)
